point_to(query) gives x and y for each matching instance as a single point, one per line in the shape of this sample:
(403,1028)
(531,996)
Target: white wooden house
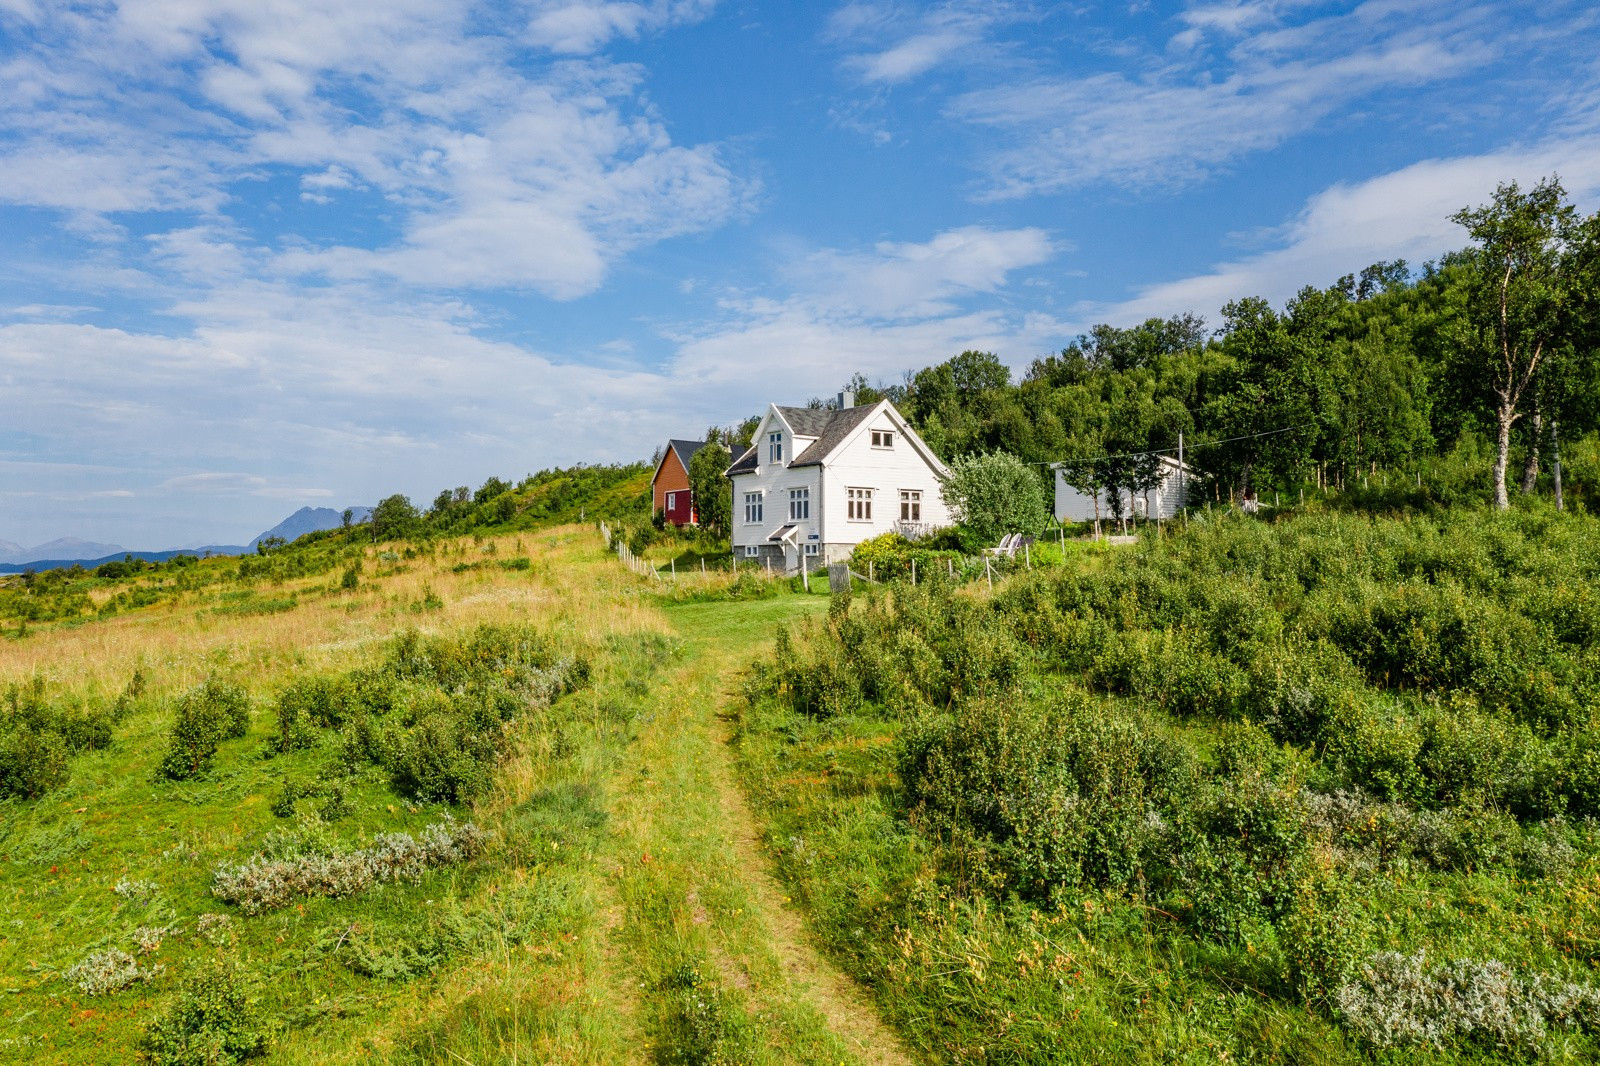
(1165,500)
(816,482)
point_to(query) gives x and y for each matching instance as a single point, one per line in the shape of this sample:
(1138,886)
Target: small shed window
(752,508)
(858,504)
(910,505)
(774,447)
(883,438)
(799,505)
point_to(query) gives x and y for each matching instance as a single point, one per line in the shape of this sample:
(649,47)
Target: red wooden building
(669,489)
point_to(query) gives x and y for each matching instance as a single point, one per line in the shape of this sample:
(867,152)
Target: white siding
(1163,501)
(857,464)
(774,481)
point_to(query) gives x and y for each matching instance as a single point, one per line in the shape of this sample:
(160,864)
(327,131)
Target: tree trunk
(1555,460)
(1502,454)
(1530,466)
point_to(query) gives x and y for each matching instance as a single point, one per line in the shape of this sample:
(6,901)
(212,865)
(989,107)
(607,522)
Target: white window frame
(883,438)
(775,447)
(813,548)
(858,504)
(910,505)
(752,508)
(800,505)
(752,551)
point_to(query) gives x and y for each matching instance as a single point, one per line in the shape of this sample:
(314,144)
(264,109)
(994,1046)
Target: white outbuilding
(1164,500)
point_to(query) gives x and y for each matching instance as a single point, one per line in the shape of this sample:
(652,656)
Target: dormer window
(774,447)
(883,438)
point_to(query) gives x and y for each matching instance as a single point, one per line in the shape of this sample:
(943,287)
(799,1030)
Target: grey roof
(746,463)
(834,429)
(808,421)
(830,427)
(685,449)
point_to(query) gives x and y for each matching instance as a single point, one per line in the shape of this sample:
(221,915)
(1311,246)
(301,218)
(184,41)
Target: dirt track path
(695,885)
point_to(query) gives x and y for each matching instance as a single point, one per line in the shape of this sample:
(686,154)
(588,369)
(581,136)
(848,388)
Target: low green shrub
(205,716)
(39,738)
(214,1021)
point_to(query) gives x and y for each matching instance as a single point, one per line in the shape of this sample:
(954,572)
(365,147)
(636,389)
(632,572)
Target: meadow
(474,805)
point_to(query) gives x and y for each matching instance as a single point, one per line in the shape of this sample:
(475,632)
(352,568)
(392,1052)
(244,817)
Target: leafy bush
(38,738)
(205,716)
(214,1021)
(995,493)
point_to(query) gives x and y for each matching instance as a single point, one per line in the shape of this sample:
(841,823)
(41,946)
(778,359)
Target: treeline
(1492,348)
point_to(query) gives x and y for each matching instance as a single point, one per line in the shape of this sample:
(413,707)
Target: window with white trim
(774,447)
(799,505)
(812,547)
(752,508)
(752,551)
(910,505)
(883,438)
(858,504)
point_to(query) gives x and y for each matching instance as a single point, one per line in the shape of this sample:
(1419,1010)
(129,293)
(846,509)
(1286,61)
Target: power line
(1169,451)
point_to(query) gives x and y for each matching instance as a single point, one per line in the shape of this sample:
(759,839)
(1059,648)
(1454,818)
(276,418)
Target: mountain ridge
(69,551)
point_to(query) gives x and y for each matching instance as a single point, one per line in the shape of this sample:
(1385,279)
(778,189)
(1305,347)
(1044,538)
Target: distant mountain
(151,557)
(311,520)
(61,548)
(69,550)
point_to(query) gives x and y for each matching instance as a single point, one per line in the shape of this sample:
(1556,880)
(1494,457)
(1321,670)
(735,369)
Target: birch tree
(1516,299)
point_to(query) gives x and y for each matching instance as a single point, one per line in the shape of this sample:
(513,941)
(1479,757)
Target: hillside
(1263,789)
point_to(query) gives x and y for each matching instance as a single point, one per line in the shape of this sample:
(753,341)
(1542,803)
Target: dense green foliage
(1247,756)
(994,493)
(434,713)
(39,736)
(205,716)
(213,1022)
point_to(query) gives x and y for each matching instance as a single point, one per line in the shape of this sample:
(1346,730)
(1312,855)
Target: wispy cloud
(890,43)
(494,171)
(580,26)
(1239,78)
(1400,215)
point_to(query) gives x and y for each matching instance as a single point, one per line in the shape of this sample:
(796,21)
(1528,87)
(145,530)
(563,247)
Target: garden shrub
(205,716)
(213,1022)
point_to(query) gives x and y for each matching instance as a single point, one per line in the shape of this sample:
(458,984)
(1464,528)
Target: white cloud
(911,280)
(357,390)
(1401,215)
(493,170)
(890,44)
(1172,121)
(579,27)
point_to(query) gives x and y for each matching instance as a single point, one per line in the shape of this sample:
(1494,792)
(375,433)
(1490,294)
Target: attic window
(883,438)
(774,447)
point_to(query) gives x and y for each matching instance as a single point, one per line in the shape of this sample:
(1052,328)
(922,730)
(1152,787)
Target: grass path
(696,889)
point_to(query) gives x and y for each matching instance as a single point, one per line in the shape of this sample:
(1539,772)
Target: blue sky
(266,253)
